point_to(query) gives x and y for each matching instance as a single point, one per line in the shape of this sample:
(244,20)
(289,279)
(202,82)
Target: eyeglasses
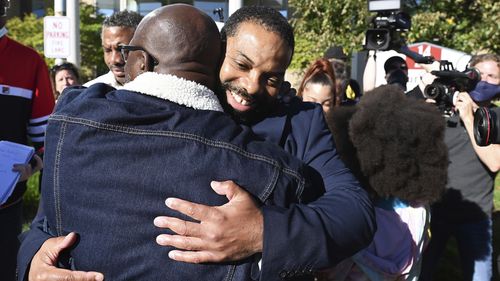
(125,49)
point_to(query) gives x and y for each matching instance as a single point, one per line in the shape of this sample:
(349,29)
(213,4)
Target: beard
(260,105)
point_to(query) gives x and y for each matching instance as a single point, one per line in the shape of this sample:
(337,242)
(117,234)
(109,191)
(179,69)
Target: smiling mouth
(240,99)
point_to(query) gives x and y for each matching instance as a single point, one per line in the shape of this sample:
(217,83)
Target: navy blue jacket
(341,222)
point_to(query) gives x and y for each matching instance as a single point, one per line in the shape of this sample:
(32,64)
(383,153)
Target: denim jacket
(113,156)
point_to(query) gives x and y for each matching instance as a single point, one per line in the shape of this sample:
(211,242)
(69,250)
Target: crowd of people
(193,159)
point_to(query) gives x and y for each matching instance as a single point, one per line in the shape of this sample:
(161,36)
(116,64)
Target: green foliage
(90,38)
(29,31)
(323,23)
(469,26)
(465,25)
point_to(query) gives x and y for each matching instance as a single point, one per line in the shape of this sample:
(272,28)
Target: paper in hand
(11,153)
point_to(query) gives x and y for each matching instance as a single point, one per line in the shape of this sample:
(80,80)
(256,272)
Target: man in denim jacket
(113,155)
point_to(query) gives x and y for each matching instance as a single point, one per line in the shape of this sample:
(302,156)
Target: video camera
(487,126)
(387,25)
(449,81)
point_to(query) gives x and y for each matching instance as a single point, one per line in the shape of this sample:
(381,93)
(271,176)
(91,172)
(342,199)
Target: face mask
(398,77)
(484,91)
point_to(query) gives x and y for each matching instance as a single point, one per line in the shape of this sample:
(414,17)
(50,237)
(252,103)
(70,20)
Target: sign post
(56,37)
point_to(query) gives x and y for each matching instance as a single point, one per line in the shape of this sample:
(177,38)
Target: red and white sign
(56,37)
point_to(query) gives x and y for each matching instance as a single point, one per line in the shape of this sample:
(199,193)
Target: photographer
(464,211)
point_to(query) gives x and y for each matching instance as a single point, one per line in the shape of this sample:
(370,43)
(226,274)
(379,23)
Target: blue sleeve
(307,237)
(31,241)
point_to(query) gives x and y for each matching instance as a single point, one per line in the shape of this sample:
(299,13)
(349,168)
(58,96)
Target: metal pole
(233,6)
(59,12)
(73,13)
(123,5)
(59,8)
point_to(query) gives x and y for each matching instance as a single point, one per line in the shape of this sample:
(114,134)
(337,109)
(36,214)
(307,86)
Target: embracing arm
(38,255)
(321,233)
(299,238)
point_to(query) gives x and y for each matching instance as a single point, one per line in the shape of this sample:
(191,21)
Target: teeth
(239,99)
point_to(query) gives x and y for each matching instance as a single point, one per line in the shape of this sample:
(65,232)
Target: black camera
(387,25)
(449,81)
(487,126)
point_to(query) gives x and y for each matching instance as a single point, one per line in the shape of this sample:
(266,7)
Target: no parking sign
(56,37)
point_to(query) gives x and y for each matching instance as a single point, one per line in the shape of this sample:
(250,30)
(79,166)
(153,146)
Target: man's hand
(229,232)
(466,107)
(43,265)
(26,170)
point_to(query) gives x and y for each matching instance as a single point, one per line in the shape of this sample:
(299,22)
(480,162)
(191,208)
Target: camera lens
(486,126)
(378,39)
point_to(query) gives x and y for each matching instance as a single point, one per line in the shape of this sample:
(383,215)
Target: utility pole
(73,13)
(233,6)
(123,5)
(59,11)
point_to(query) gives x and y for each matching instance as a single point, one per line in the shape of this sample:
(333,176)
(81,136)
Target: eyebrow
(281,73)
(245,57)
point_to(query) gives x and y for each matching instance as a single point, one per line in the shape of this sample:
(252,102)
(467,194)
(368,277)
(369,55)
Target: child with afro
(395,147)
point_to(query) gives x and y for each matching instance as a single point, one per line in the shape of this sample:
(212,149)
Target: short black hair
(267,17)
(392,62)
(123,19)
(65,66)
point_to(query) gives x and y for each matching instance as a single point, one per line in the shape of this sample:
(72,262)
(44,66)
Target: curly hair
(320,72)
(398,144)
(270,19)
(123,19)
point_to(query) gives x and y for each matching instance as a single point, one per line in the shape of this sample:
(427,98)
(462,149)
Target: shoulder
(80,94)
(107,78)
(22,52)
(301,111)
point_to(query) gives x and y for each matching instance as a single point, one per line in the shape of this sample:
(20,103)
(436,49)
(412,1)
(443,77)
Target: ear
(148,62)
(142,62)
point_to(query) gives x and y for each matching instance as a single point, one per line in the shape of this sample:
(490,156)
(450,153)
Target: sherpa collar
(175,89)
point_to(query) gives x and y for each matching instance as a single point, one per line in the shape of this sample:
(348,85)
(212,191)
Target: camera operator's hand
(466,108)
(489,155)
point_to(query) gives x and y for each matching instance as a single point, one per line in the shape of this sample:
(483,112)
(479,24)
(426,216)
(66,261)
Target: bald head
(184,41)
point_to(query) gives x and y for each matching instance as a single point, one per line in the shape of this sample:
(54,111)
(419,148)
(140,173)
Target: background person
(348,90)
(117,30)
(373,150)
(464,212)
(64,75)
(319,85)
(26,101)
(396,72)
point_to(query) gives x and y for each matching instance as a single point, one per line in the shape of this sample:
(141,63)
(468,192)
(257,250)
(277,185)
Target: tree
(467,25)
(322,23)
(29,31)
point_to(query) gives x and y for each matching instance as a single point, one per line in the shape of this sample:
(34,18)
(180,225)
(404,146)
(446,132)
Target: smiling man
(295,240)
(299,240)
(117,30)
